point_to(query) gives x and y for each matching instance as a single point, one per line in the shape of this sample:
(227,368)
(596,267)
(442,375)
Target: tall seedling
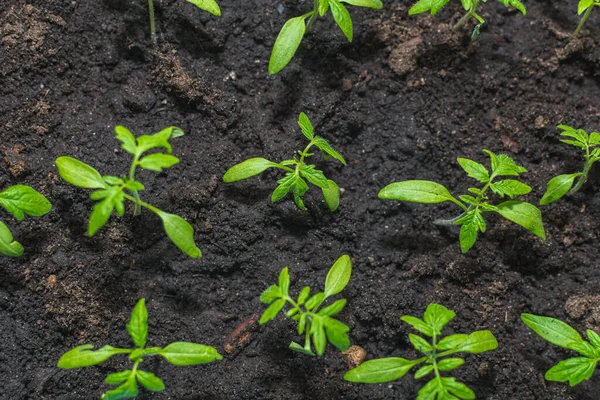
(112,191)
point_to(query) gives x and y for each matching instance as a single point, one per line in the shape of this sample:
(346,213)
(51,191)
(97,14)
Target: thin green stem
(313,16)
(462,21)
(583,178)
(434,357)
(583,20)
(480,197)
(143,204)
(137,211)
(152,23)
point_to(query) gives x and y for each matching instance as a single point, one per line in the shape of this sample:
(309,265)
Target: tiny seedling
(574,370)
(563,184)
(113,190)
(471,220)
(20,200)
(177,353)
(294,29)
(297,170)
(585,7)
(207,5)
(435,350)
(469,5)
(312,322)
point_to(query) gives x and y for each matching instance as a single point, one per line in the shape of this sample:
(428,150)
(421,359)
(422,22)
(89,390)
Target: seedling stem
(152,23)
(582,23)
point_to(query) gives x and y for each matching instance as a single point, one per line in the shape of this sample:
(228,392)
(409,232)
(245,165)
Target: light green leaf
(128,390)
(558,187)
(186,353)
(478,342)
(475,170)
(284,281)
(419,343)
(20,200)
(138,324)
(315,301)
(457,388)
(376,4)
(438,316)
(207,5)
(553,330)
(180,232)
(584,5)
(418,324)
(337,333)
(79,174)
(156,162)
(127,139)
(8,246)
(272,311)
(449,364)
(342,18)
(297,348)
(510,188)
(285,185)
(271,294)
(416,191)
(516,4)
(150,381)
(83,356)
(101,213)
(585,349)
(425,5)
(326,148)
(160,139)
(332,195)
(303,296)
(338,276)
(287,43)
(503,165)
(574,370)
(380,371)
(304,122)
(452,341)
(317,331)
(117,378)
(247,169)
(314,176)
(333,309)
(301,324)
(471,223)
(423,371)
(524,214)
(594,338)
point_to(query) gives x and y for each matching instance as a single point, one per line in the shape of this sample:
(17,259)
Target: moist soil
(402,101)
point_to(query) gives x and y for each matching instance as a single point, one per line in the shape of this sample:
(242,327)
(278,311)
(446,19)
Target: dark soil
(402,101)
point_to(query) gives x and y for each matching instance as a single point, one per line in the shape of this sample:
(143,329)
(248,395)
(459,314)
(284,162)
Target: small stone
(354,356)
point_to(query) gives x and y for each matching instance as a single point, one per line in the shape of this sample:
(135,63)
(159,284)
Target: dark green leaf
(314,176)
(553,330)
(524,214)
(185,353)
(415,191)
(285,185)
(475,170)
(342,18)
(20,200)
(83,356)
(574,370)
(127,139)
(558,187)
(287,43)
(180,232)
(79,174)
(150,381)
(338,276)
(138,324)
(8,246)
(207,5)
(156,162)
(272,311)
(246,169)
(332,195)
(380,371)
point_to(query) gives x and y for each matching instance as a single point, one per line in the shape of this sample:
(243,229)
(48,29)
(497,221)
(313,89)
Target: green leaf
(150,381)
(333,309)
(326,148)
(337,333)
(156,162)
(471,223)
(338,276)
(303,296)
(380,371)
(160,139)
(303,121)
(594,338)
(418,324)
(452,341)
(516,4)
(284,281)
(127,139)
(314,176)
(457,388)
(20,200)
(449,364)
(8,246)
(574,370)
(415,191)
(558,187)
(100,215)
(332,195)
(478,342)
(584,5)
(79,174)
(423,371)
(315,301)
(207,5)
(524,214)
(503,165)
(553,330)
(138,324)
(117,378)
(296,347)
(186,353)
(438,316)
(113,180)
(419,343)
(323,6)
(475,170)
(586,349)
(287,43)
(180,232)
(376,4)
(342,18)
(128,390)
(83,356)
(246,169)
(510,188)
(271,294)
(285,185)
(317,331)
(272,311)
(425,5)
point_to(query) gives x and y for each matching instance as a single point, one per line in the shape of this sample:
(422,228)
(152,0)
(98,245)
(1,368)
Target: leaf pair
(19,200)
(435,318)
(112,191)
(315,324)
(177,353)
(294,29)
(474,205)
(297,171)
(573,370)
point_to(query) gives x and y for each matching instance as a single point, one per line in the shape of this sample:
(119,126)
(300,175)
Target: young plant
(312,322)
(177,353)
(435,351)
(563,184)
(207,5)
(294,29)
(585,6)
(471,220)
(469,5)
(574,370)
(297,170)
(113,190)
(19,200)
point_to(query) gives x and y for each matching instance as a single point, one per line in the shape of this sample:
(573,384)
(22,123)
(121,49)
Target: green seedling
(563,184)
(207,5)
(297,170)
(585,7)
(294,29)
(436,351)
(574,370)
(315,324)
(113,190)
(19,200)
(471,220)
(469,5)
(177,353)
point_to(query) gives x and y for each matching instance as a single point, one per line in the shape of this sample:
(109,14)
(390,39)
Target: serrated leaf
(585,349)
(84,356)
(126,138)
(284,281)
(419,343)
(475,170)
(117,378)
(8,246)
(524,214)
(180,232)
(247,169)
(510,188)
(418,324)
(478,342)
(79,174)
(314,176)
(380,371)
(332,195)
(557,187)
(452,341)
(157,162)
(338,276)
(458,389)
(448,364)
(207,5)
(437,317)
(417,191)
(425,5)
(342,18)
(337,333)
(471,223)
(186,353)
(272,311)
(333,309)
(575,370)
(552,330)
(287,43)
(285,185)
(503,165)
(138,324)
(423,371)
(376,4)
(326,148)
(304,121)
(20,200)
(271,294)
(150,381)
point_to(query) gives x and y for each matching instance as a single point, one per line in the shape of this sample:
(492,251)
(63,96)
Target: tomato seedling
(469,5)
(207,5)
(562,185)
(574,370)
(113,190)
(584,7)
(20,200)
(435,351)
(297,170)
(312,322)
(177,353)
(294,29)
(471,220)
